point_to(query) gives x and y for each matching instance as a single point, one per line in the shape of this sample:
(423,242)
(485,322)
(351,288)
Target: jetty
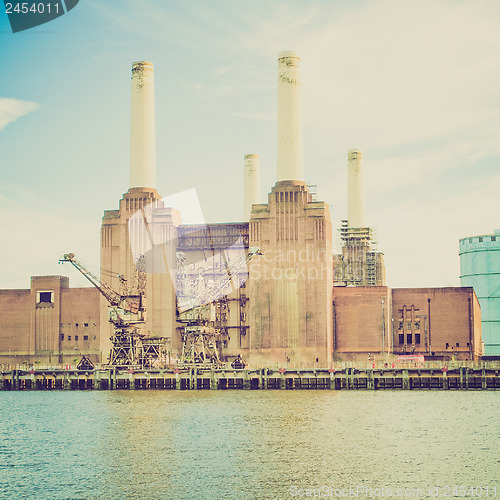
(485,376)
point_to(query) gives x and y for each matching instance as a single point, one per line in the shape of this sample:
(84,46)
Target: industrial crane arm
(113,297)
(222,282)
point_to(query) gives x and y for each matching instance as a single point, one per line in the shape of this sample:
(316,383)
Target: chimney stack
(142,129)
(355,188)
(290,150)
(251,184)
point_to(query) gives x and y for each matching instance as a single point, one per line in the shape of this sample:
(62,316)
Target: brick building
(49,323)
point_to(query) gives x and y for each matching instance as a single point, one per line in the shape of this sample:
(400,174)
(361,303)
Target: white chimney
(290,149)
(251,184)
(142,129)
(355,188)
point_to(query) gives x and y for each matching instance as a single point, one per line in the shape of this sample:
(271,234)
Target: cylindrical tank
(480,268)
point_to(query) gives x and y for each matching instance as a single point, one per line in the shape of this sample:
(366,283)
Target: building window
(493,238)
(417,338)
(76,324)
(401,338)
(95,337)
(45,297)
(447,345)
(69,337)
(76,337)
(85,324)
(480,240)
(400,325)
(417,325)
(408,325)
(85,337)
(408,338)
(458,345)
(62,336)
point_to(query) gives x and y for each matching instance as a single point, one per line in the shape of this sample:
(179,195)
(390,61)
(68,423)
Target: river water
(249,444)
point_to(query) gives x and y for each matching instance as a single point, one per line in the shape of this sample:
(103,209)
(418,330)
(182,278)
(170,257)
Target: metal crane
(127,308)
(201,341)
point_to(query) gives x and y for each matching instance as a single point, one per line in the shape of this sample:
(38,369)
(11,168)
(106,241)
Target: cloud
(12,109)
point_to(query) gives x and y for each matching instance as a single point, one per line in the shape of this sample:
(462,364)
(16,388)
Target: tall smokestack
(142,129)
(355,188)
(290,150)
(251,184)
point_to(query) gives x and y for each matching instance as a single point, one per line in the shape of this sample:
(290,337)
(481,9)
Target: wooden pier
(460,378)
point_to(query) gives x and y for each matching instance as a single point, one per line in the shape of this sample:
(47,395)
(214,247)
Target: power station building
(295,302)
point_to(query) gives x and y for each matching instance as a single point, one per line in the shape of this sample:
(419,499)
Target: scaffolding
(360,263)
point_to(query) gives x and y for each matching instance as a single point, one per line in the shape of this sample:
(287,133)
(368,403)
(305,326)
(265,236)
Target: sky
(414,84)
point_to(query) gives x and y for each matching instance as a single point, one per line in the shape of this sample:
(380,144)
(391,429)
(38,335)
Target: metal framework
(129,346)
(203,313)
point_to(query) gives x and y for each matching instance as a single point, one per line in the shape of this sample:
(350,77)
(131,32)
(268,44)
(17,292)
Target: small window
(468,345)
(447,345)
(401,338)
(417,325)
(417,338)
(85,324)
(95,324)
(480,240)
(69,337)
(493,238)
(85,337)
(76,337)
(45,297)
(458,345)
(62,336)
(317,360)
(470,240)
(408,338)
(408,325)
(400,325)
(76,324)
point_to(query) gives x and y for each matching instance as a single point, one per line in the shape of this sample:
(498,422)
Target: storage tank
(480,268)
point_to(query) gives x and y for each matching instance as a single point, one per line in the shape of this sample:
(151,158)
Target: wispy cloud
(11,109)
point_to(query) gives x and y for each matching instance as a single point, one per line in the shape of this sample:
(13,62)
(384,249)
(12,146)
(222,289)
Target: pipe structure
(355,188)
(142,127)
(251,184)
(290,158)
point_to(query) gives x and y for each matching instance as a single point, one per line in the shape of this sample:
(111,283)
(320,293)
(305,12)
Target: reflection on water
(243,444)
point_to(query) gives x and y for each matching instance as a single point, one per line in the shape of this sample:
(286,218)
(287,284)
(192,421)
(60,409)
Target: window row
(409,338)
(69,337)
(85,325)
(408,325)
